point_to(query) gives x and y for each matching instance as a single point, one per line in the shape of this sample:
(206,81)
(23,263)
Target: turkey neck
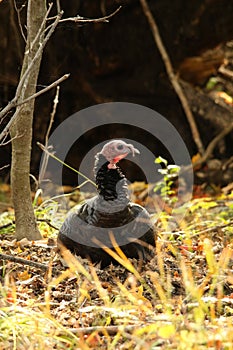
(111,183)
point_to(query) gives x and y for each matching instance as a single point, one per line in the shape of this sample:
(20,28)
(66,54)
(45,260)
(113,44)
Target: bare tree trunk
(21,130)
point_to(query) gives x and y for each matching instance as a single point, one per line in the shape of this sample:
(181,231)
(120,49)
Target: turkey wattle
(110,213)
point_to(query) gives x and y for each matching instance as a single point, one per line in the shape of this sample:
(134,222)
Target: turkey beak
(133,150)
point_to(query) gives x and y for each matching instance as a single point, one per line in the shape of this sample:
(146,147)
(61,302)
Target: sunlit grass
(141,311)
(29,328)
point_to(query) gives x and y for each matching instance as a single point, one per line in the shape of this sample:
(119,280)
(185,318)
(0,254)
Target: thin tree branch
(14,101)
(111,330)
(55,103)
(228,188)
(215,228)
(48,222)
(47,88)
(173,79)
(6,225)
(37,54)
(40,31)
(18,93)
(207,154)
(213,143)
(5,131)
(8,107)
(2,119)
(80,19)
(46,156)
(58,6)
(4,143)
(226,72)
(4,166)
(46,150)
(15,30)
(23,261)
(19,20)
(17,104)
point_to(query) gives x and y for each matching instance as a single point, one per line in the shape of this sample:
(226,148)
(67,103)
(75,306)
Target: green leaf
(173,168)
(160,160)
(212,82)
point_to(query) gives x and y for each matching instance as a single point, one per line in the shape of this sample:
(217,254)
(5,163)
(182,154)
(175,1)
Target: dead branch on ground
(24,261)
(111,330)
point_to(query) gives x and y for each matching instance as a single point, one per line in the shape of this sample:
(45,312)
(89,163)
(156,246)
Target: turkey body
(108,214)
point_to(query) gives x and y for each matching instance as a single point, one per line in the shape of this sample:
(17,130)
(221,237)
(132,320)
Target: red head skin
(116,150)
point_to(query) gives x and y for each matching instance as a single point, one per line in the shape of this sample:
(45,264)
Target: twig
(227,188)
(226,72)
(58,6)
(14,102)
(227,163)
(209,229)
(18,104)
(60,161)
(4,143)
(55,103)
(172,76)
(56,197)
(15,30)
(37,55)
(48,222)
(111,330)
(80,19)
(6,225)
(19,20)
(46,156)
(47,88)
(5,131)
(212,145)
(24,261)
(40,31)
(209,150)
(18,93)
(4,166)
(2,119)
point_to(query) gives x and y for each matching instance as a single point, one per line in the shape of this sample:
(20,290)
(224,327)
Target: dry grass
(181,299)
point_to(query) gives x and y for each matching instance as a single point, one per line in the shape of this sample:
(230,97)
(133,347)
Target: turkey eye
(120,147)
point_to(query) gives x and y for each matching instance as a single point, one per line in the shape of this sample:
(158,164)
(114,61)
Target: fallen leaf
(167,331)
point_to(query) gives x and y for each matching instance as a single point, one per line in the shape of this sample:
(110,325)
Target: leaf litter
(182,298)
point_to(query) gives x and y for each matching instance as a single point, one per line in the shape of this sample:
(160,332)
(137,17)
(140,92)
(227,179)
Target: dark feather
(91,225)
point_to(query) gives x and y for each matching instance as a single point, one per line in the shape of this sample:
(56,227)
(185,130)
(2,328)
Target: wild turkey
(110,213)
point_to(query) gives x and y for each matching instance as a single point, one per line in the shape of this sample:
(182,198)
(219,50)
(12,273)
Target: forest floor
(181,299)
